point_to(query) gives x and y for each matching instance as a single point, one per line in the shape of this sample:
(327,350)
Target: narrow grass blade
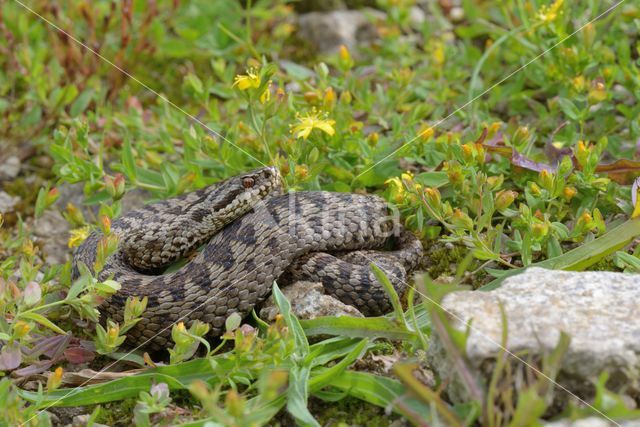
(583,256)
(176,376)
(381,391)
(355,327)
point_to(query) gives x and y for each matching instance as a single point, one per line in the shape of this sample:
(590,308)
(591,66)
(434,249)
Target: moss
(350,411)
(441,256)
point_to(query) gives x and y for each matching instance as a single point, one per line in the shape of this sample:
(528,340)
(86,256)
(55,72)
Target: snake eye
(248,182)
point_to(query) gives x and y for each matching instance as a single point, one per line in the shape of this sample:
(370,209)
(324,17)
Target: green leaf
(302,345)
(380,391)
(569,109)
(432,179)
(81,103)
(41,203)
(195,83)
(128,161)
(31,315)
(355,327)
(391,292)
(297,396)
(583,256)
(177,376)
(326,376)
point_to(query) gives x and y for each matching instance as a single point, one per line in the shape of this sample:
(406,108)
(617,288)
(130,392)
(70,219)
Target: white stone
(599,310)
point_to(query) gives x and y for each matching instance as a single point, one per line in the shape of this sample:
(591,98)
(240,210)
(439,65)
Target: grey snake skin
(253,234)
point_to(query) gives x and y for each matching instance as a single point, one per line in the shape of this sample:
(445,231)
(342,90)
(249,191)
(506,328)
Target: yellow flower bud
(461,219)
(311,97)
(373,138)
(345,97)
(105,224)
(301,172)
(467,151)
(579,83)
(426,133)
(569,193)
(433,196)
(535,190)
(582,153)
(21,329)
(75,215)
(539,230)
(504,199)
(55,379)
(234,403)
(344,53)
(546,179)
(329,97)
(586,218)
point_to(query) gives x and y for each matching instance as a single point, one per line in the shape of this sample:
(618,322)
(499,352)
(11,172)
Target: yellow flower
(397,190)
(344,53)
(247,81)
(266,95)
(310,121)
(549,13)
(407,176)
(55,379)
(426,132)
(78,236)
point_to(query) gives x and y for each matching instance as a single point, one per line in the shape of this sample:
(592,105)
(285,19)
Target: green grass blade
(583,256)
(302,345)
(380,391)
(176,376)
(356,327)
(298,394)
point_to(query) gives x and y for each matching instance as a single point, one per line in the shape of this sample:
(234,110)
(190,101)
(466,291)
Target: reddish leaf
(79,355)
(483,136)
(516,158)
(49,346)
(33,369)
(622,171)
(10,357)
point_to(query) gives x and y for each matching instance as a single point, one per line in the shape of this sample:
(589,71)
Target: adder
(252,234)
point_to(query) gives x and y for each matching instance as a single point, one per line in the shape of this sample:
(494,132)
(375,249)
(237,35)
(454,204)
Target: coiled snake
(253,235)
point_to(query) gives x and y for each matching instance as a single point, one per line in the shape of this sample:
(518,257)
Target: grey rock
(10,168)
(327,31)
(598,310)
(327,5)
(308,301)
(7,202)
(417,15)
(52,231)
(83,420)
(592,422)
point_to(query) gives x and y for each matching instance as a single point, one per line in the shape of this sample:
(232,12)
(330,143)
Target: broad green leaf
(177,376)
(355,327)
(302,345)
(297,396)
(81,103)
(36,317)
(128,162)
(380,391)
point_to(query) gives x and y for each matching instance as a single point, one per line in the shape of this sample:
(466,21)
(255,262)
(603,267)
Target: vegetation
(506,130)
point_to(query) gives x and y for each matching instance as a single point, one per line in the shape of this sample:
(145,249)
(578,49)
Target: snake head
(237,195)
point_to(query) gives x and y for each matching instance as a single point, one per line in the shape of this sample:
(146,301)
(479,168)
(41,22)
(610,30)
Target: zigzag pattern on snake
(253,234)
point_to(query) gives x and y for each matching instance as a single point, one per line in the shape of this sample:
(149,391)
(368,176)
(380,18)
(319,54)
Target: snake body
(253,235)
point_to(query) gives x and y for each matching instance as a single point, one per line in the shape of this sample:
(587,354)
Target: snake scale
(253,234)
